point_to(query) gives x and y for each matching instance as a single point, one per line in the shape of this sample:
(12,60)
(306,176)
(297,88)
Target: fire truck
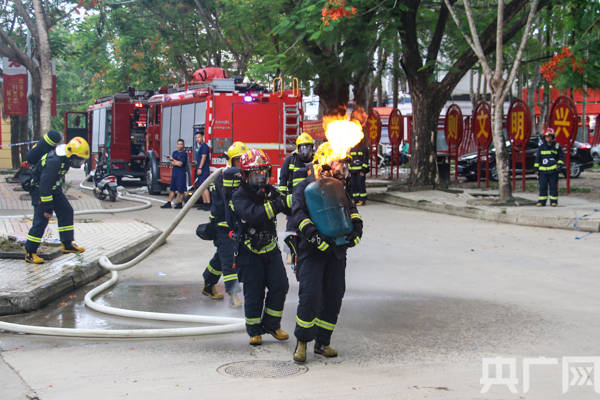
(225,111)
(116,131)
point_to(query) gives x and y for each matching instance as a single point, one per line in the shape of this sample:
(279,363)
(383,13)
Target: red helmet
(255,160)
(549,131)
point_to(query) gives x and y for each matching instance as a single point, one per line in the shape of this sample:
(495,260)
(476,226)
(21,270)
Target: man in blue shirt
(202,157)
(178,161)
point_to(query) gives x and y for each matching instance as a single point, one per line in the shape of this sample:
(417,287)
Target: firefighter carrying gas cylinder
(359,167)
(222,262)
(549,159)
(256,205)
(328,223)
(292,173)
(47,196)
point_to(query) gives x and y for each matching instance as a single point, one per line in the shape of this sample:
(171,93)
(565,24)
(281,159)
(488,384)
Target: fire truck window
(108,124)
(150,115)
(157,116)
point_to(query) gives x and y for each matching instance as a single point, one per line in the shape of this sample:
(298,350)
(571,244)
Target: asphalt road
(428,296)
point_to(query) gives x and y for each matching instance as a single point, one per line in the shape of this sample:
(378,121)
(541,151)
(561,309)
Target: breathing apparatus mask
(337,169)
(258,178)
(76,161)
(305,152)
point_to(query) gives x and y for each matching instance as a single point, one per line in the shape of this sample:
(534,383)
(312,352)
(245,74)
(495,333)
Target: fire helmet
(305,147)
(327,163)
(237,149)
(304,138)
(77,151)
(549,131)
(256,168)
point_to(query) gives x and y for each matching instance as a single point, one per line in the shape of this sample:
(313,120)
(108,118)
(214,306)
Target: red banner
(396,127)
(564,120)
(518,123)
(15,88)
(374,127)
(482,124)
(454,125)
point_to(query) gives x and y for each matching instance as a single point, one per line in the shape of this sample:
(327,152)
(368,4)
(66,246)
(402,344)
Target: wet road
(427,297)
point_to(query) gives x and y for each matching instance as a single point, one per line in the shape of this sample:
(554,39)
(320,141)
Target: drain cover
(261,369)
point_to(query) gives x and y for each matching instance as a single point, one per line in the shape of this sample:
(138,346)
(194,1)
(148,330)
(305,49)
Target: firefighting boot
(278,334)
(235,300)
(33,258)
(212,292)
(300,352)
(540,204)
(256,340)
(70,247)
(554,203)
(326,351)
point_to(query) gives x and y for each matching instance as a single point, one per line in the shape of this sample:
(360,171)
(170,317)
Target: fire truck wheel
(154,187)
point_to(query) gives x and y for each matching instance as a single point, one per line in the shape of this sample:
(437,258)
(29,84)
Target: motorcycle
(104,184)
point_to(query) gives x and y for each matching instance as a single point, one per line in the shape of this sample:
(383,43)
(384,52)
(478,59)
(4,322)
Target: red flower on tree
(559,62)
(336,9)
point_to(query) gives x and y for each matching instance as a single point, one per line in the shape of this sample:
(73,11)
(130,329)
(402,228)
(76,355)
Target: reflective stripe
(211,216)
(288,200)
(44,158)
(543,198)
(224,224)
(230,277)
(363,195)
(553,197)
(265,249)
(304,222)
(535,165)
(46,199)
(357,240)
(49,141)
(365,165)
(304,324)
(560,161)
(297,181)
(324,324)
(34,239)
(323,246)
(293,167)
(548,152)
(355,168)
(283,188)
(213,271)
(231,205)
(252,321)
(551,168)
(65,228)
(269,210)
(273,313)
(231,182)
(355,216)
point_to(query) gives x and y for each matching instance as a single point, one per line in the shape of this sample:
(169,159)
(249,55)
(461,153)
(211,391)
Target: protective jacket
(287,181)
(549,157)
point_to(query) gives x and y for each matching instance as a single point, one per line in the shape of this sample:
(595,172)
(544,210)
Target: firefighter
(222,262)
(548,159)
(359,167)
(48,197)
(321,263)
(256,205)
(292,173)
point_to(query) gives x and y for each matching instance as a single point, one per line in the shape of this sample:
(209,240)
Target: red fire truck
(226,112)
(116,127)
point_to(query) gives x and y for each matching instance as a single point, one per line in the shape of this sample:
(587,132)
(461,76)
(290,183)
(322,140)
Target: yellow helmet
(304,138)
(324,154)
(79,147)
(236,150)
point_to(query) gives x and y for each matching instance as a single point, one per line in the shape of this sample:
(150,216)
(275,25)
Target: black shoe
(166,205)
(205,206)
(178,206)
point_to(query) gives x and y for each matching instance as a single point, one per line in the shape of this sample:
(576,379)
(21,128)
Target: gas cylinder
(329,208)
(44,145)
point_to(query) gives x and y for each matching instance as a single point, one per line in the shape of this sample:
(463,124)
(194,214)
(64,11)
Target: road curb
(499,215)
(17,303)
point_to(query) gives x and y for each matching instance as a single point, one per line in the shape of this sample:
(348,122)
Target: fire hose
(226,324)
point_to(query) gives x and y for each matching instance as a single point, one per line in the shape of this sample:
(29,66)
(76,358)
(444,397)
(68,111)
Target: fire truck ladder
(291,124)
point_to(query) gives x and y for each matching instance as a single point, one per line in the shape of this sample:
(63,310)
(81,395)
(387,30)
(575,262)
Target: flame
(342,135)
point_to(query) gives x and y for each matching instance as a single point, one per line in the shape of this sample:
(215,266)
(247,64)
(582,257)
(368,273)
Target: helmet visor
(305,152)
(76,161)
(258,178)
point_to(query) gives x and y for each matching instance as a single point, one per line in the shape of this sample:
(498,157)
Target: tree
(499,86)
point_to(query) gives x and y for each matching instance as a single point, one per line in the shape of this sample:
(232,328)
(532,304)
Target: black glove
(47,207)
(271,193)
(317,241)
(356,235)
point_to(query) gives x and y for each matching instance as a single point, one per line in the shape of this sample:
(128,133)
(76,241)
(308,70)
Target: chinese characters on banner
(15,88)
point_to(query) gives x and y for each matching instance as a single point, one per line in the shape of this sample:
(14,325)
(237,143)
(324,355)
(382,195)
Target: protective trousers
(359,187)
(322,286)
(548,182)
(257,272)
(64,215)
(222,263)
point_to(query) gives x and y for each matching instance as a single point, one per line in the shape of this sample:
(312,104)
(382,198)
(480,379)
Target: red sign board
(396,127)
(15,88)
(518,123)
(454,125)
(563,119)
(373,128)
(481,124)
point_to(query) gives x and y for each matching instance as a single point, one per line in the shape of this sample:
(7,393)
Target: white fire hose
(225,324)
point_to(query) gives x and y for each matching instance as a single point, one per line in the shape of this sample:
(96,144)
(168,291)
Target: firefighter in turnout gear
(292,173)
(48,198)
(359,167)
(548,161)
(321,263)
(256,205)
(223,261)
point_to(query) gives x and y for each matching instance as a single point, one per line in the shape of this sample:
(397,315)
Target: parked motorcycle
(104,185)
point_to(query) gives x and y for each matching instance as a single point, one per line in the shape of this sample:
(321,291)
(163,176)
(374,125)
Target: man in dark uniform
(222,262)
(548,160)
(256,205)
(179,160)
(202,157)
(321,263)
(359,167)
(48,197)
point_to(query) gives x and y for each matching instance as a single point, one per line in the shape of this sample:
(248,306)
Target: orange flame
(341,134)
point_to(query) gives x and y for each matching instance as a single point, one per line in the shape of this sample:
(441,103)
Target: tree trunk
(45,54)
(504,184)
(36,104)
(333,96)
(18,134)
(426,110)
(395,72)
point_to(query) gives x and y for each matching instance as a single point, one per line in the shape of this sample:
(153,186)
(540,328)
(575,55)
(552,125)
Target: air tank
(44,145)
(329,208)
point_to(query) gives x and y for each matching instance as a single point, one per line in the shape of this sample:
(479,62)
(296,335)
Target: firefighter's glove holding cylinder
(315,239)
(356,235)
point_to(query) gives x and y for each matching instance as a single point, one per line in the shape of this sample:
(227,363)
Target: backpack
(27,179)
